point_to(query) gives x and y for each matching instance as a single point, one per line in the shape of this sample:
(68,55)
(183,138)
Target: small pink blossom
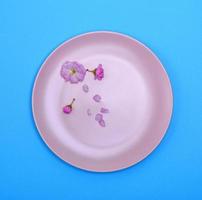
(68,108)
(97,98)
(104,110)
(99,72)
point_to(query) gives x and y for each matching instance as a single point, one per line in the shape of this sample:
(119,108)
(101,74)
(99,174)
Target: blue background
(30,30)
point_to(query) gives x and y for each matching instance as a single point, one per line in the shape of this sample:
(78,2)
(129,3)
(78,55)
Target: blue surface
(30,30)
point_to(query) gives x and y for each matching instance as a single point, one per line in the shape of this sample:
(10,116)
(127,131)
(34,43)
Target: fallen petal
(89,112)
(98,117)
(104,110)
(102,123)
(97,98)
(85,88)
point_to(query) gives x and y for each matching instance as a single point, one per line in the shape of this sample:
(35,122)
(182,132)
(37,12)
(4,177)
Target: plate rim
(99,32)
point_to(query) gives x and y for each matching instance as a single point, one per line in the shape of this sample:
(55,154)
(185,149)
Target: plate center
(123,91)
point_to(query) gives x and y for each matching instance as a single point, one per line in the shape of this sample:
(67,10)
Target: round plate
(135,89)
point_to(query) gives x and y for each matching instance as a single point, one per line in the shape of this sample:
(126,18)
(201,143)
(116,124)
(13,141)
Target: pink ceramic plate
(135,89)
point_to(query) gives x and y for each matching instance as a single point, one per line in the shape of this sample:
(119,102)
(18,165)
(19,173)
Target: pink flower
(99,72)
(73,72)
(68,108)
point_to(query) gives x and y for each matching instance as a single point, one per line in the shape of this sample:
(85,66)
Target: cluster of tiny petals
(74,72)
(99,117)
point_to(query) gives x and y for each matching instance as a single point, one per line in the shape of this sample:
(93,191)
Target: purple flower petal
(65,73)
(97,98)
(80,76)
(102,123)
(81,69)
(98,117)
(89,112)
(73,79)
(85,88)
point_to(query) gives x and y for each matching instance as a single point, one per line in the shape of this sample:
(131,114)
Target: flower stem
(90,70)
(72,101)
